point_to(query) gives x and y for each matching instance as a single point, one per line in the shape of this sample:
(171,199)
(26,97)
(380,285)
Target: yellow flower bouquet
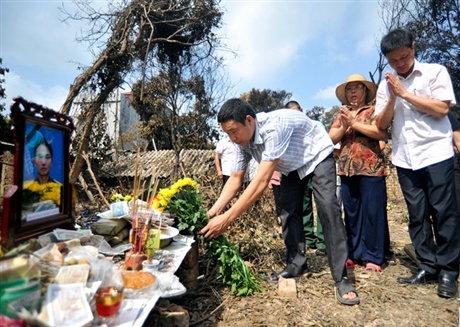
(36,192)
(184,200)
(117,197)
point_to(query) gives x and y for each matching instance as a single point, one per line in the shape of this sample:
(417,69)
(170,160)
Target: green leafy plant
(187,205)
(184,199)
(232,268)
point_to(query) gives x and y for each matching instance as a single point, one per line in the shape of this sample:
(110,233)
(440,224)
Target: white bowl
(150,266)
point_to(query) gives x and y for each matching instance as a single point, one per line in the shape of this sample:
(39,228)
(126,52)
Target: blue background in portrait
(56,138)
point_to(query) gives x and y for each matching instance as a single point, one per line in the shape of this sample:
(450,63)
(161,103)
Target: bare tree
(131,34)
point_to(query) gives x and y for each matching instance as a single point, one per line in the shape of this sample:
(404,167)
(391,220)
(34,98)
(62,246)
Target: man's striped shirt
(299,142)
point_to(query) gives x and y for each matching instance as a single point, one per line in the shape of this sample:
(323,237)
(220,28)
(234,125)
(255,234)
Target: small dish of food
(138,283)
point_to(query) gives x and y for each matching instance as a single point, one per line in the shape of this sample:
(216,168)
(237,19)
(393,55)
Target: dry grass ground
(384,302)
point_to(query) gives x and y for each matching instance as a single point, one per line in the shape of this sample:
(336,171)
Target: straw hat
(371,88)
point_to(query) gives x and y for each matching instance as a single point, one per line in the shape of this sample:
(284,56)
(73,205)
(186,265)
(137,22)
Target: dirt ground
(384,302)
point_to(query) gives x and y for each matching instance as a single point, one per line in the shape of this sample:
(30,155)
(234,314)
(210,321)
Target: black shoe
(447,286)
(420,277)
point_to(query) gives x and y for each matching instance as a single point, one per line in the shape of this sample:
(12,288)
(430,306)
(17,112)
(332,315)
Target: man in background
(313,240)
(225,151)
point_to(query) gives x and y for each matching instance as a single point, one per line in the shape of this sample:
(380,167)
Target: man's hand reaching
(216,226)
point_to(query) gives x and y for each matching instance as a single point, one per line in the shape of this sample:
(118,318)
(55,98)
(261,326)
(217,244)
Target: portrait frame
(31,211)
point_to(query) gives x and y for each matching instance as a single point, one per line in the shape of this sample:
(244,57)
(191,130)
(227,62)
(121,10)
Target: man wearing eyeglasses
(415,98)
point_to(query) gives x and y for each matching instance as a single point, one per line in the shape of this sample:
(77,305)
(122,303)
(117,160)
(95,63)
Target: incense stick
(136,164)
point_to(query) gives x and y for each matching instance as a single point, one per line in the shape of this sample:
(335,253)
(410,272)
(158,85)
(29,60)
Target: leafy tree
(329,116)
(266,99)
(127,36)
(3,71)
(5,123)
(178,106)
(316,113)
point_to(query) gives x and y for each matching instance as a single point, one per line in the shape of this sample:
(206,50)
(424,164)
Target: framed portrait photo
(41,198)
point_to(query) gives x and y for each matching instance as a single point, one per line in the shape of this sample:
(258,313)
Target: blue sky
(304,47)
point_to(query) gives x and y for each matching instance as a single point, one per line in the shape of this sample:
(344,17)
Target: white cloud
(350,46)
(306,47)
(272,38)
(52,97)
(266,36)
(38,38)
(326,94)
(371,27)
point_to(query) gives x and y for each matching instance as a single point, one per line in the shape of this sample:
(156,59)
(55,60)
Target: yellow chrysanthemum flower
(165,195)
(175,189)
(120,197)
(186,182)
(163,202)
(48,191)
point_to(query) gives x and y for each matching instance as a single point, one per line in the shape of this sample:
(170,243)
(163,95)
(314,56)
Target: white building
(122,119)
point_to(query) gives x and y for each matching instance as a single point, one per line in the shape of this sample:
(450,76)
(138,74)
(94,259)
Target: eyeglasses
(356,87)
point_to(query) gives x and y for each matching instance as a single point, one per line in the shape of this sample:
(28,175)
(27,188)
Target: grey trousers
(324,189)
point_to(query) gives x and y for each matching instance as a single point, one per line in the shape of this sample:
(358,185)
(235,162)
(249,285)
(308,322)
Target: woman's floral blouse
(359,154)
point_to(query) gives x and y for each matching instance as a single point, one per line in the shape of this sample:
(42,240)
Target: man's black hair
(395,39)
(291,104)
(235,109)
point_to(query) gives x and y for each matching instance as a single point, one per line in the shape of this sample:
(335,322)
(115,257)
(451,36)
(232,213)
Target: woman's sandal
(372,267)
(350,264)
(342,288)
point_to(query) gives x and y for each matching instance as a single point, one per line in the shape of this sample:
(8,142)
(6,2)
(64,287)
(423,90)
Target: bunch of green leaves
(232,268)
(192,217)
(188,207)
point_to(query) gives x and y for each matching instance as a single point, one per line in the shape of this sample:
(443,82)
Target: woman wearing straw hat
(362,170)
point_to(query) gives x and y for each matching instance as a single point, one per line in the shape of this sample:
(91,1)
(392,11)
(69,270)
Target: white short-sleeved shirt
(251,171)
(297,141)
(420,139)
(226,148)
